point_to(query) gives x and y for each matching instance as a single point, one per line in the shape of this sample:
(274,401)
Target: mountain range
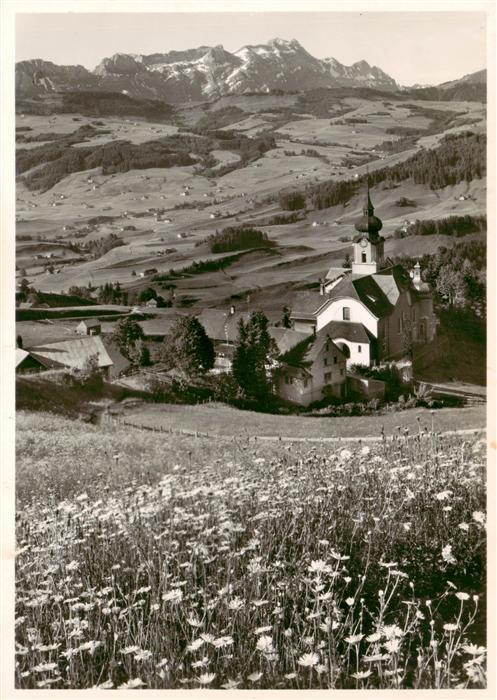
(207,72)
(201,73)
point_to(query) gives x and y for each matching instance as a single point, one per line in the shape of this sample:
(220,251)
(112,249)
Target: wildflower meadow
(160,561)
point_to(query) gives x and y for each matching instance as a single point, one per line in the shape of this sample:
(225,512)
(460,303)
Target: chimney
(321,286)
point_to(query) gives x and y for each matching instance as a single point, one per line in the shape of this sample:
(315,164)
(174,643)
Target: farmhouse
(26,362)
(89,326)
(222,328)
(377,309)
(74,354)
(312,369)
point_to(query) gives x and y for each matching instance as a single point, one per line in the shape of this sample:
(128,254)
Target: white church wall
(359,352)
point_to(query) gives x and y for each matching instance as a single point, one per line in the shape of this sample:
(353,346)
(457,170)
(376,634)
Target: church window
(325,362)
(363,257)
(341,372)
(346,313)
(335,359)
(400,324)
(359,348)
(421,330)
(327,377)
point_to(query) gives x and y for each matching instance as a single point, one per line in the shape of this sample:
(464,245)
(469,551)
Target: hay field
(153,561)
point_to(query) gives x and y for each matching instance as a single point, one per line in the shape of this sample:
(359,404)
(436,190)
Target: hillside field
(219,419)
(158,561)
(194,201)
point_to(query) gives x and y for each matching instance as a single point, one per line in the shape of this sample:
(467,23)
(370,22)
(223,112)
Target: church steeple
(369,223)
(368,245)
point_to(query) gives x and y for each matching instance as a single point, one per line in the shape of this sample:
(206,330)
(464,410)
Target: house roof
(321,339)
(307,303)
(308,349)
(335,272)
(221,325)
(73,353)
(286,338)
(90,322)
(157,326)
(20,356)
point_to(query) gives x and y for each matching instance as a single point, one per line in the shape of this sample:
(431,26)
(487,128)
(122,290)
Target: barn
(74,354)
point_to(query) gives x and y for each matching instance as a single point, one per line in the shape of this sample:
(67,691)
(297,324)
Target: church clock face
(363,242)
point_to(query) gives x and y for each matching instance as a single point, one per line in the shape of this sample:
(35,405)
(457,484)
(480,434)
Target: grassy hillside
(219,419)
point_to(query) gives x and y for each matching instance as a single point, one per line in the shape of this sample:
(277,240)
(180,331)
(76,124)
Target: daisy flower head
(309,660)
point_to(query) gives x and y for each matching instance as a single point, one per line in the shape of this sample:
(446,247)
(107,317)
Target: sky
(412,47)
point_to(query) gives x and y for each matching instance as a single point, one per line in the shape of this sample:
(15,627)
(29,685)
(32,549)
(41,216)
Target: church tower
(368,245)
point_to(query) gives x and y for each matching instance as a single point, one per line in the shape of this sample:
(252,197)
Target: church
(374,311)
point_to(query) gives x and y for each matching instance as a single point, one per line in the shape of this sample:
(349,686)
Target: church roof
(355,332)
(379,292)
(366,290)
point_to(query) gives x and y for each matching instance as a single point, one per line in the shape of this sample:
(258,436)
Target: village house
(89,326)
(26,362)
(377,308)
(222,328)
(74,354)
(313,369)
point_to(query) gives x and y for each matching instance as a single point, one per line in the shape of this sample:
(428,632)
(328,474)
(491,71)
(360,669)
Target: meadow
(161,561)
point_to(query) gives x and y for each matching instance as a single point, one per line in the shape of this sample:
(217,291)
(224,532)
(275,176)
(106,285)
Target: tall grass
(212,565)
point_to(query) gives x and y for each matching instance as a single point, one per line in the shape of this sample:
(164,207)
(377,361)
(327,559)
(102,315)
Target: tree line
(458,157)
(56,160)
(450,226)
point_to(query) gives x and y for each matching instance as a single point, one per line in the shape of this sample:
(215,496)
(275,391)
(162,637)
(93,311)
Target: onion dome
(369,223)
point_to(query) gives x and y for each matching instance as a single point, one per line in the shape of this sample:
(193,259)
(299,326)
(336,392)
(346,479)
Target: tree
(254,352)
(189,347)
(126,333)
(347,262)
(285,318)
(451,285)
(292,200)
(147,294)
(407,337)
(145,356)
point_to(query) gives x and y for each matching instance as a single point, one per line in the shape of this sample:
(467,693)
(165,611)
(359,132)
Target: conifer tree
(190,349)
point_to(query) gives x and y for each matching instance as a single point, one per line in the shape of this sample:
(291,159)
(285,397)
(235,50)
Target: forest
(450,226)
(237,238)
(460,157)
